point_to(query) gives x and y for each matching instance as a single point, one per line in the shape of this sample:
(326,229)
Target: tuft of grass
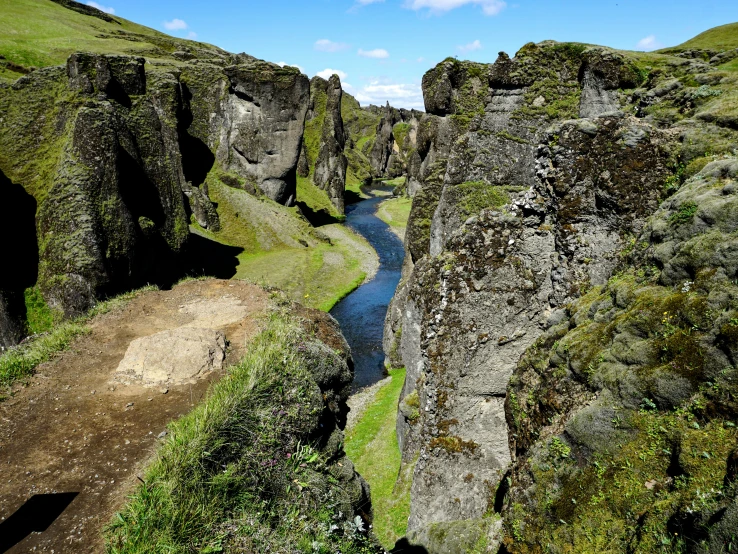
(20,362)
(684,214)
(238,472)
(372,446)
(475,196)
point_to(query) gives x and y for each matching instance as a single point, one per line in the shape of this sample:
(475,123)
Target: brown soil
(75,428)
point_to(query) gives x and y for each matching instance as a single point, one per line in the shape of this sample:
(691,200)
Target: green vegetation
(506,135)
(372,446)
(20,362)
(474,196)
(395,212)
(560,100)
(724,37)
(684,214)
(315,198)
(317,277)
(239,472)
(400,131)
(282,250)
(45,33)
(39,317)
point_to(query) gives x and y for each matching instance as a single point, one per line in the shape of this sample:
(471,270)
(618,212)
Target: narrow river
(361,314)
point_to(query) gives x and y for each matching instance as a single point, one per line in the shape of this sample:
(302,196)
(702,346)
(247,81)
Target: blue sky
(382,48)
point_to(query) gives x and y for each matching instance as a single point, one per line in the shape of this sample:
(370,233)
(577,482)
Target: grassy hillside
(724,37)
(39,33)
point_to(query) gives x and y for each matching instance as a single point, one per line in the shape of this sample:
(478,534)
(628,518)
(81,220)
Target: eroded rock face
(523,216)
(116,202)
(626,366)
(330,167)
(261,126)
(116,158)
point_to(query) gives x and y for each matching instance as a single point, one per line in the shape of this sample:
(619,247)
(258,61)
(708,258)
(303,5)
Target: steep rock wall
(532,180)
(331,165)
(115,154)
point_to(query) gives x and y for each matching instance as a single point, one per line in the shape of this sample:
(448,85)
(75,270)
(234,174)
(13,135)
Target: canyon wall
(535,180)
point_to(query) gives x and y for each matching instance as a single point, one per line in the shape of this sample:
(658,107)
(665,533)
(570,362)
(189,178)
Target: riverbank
(371,443)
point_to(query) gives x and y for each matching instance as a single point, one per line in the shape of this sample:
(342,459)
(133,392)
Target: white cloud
(105,9)
(326,73)
(192,35)
(282,64)
(489,7)
(476,45)
(377,53)
(421,59)
(325,45)
(649,43)
(399,95)
(175,25)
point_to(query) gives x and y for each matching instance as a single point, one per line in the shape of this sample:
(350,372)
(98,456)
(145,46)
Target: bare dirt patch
(78,429)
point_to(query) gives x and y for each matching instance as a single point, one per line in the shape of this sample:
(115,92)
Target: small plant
(558,449)
(684,214)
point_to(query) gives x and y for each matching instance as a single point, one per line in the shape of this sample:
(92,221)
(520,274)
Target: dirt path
(81,428)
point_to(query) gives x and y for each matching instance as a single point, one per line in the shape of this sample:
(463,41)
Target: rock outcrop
(395,141)
(331,165)
(115,156)
(260,126)
(533,178)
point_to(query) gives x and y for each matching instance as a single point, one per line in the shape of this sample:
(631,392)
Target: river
(361,314)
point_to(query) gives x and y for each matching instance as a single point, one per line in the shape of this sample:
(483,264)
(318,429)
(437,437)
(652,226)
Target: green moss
(684,214)
(506,135)
(561,100)
(474,196)
(39,317)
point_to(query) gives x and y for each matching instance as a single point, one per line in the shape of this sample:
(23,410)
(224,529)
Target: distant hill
(720,38)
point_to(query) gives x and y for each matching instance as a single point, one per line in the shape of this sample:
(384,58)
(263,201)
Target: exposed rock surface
(531,182)
(395,141)
(330,167)
(261,124)
(118,155)
(174,356)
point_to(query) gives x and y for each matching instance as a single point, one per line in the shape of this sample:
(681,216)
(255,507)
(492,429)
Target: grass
(239,473)
(40,33)
(20,362)
(315,198)
(475,196)
(724,37)
(396,182)
(395,212)
(372,446)
(282,250)
(317,277)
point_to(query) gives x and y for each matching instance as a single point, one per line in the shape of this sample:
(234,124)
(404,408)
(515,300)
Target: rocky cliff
(106,157)
(536,180)
(330,167)
(395,141)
